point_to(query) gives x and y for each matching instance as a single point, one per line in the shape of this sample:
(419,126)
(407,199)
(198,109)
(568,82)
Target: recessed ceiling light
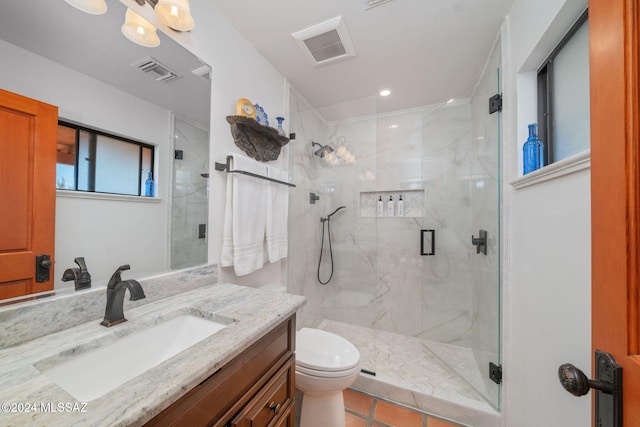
(385,92)
(450,101)
(393,126)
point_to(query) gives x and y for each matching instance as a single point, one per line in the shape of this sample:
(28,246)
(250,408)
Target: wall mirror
(94,46)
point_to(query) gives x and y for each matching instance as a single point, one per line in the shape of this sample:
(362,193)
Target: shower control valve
(480,242)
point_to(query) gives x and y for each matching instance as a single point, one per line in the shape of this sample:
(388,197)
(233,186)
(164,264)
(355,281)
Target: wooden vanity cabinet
(255,389)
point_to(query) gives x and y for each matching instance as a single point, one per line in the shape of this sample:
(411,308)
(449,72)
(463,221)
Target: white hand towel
(245,213)
(277,215)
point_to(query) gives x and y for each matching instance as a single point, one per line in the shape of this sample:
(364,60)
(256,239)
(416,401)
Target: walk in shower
(419,300)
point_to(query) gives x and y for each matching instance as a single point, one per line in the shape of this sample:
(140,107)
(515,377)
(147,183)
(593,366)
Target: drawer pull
(275,407)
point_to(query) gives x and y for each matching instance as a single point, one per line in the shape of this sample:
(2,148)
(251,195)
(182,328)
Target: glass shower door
(190,198)
(485,215)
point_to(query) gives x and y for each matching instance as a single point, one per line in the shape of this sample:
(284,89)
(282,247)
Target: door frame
(615,189)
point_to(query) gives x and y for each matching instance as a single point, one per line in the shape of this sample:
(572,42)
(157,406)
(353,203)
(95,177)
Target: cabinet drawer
(217,399)
(272,403)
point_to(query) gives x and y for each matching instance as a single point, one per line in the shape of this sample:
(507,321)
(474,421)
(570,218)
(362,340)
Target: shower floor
(409,372)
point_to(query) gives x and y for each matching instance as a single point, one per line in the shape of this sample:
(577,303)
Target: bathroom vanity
(240,375)
(254,389)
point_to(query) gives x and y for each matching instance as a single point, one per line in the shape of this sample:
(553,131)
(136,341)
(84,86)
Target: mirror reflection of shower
(327,220)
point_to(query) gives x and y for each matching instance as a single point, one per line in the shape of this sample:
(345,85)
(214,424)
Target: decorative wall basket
(262,143)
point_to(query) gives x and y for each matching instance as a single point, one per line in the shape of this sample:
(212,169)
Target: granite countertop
(28,397)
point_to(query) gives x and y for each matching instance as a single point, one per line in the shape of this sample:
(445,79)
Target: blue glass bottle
(532,151)
(148,185)
(281,131)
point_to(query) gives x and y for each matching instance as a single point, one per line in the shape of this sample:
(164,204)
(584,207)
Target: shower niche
(413,201)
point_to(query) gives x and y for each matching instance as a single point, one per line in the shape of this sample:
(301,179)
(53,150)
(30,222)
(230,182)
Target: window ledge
(71,194)
(567,166)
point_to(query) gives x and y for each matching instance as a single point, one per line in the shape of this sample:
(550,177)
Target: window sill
(567,166)
(71,194)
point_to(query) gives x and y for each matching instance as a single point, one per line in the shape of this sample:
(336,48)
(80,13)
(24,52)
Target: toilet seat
(321,353)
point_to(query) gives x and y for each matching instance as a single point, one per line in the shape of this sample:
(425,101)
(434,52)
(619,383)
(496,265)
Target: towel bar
(226,167)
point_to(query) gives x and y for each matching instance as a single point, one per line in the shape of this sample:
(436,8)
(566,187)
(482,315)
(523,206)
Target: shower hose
(328,221)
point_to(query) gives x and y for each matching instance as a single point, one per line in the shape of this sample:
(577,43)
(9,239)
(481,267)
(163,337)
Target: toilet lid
(324,351)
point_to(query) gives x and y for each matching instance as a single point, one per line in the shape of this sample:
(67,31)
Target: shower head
(323,150)
(333,213)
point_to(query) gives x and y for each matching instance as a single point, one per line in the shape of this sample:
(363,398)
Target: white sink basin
(90,375)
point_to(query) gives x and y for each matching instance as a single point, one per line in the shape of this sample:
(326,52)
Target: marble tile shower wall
(304,218)
(380,280)
(426,296)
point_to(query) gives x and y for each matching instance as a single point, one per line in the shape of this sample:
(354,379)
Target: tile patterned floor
(363,410)
(412,372)
(416,367)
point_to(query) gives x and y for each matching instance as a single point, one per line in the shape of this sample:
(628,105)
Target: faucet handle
(115,278)
(80,262)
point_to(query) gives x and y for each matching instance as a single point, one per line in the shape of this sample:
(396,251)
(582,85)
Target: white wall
(108,233)
(238,71)
(547,318)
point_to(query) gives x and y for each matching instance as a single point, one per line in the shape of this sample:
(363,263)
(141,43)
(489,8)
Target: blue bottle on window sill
(149,186)
(532,151)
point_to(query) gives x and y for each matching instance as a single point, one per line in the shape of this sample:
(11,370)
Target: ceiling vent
(326,42)
(158,71)
(373,3)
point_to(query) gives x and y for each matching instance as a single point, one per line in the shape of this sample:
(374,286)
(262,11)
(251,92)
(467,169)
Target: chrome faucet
(116,289)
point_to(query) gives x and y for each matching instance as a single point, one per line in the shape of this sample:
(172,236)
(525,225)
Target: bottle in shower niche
(380,206)
(400,206)
(532,151)
(149,186)
(390,206)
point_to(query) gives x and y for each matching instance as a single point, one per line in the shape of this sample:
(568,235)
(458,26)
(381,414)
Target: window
(563,95)
(88,160)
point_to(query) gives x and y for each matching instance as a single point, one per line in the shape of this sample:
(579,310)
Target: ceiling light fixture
(93,7)
(139,30)
(385,92)
(175,14)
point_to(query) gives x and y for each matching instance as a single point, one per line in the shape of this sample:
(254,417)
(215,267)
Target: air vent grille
(326,42)
(374,3)
(158,71)
(325,46)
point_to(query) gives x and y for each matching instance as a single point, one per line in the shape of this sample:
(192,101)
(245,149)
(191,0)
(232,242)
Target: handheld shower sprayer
(327,219)
(334,212)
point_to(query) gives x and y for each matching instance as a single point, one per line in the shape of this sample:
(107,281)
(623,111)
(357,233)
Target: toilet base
(322,410)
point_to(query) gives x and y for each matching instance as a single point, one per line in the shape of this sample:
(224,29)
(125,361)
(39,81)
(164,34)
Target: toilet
(326,364)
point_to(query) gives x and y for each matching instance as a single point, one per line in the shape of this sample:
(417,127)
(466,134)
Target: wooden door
(615,189)
(27,192)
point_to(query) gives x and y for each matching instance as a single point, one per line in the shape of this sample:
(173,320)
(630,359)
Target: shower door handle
(608,386)
(430,244)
